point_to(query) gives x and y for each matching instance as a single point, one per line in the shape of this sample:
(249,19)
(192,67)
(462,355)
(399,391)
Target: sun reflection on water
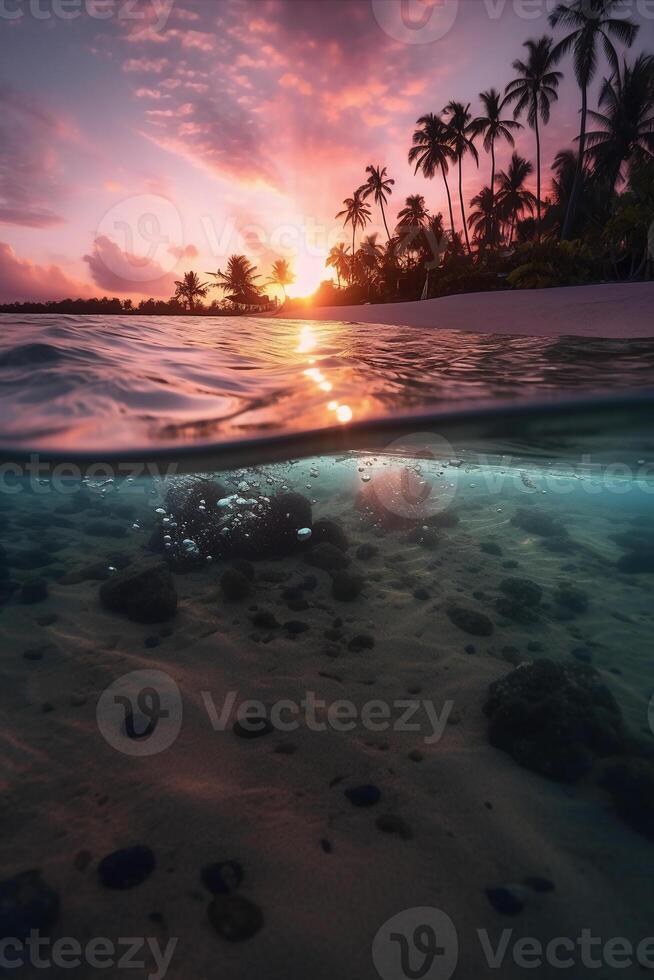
(307,342)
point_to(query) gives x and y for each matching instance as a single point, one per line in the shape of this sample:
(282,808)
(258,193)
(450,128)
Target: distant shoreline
(606,310)
(602,310)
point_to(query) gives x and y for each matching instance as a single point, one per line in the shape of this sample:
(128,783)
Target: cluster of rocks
(204,519)
(552,532)
(520,600)
(555,719)
(144,592)
(561,721)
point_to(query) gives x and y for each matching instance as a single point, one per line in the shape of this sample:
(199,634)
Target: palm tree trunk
(354,231)
(574,194)
(388,234)
(492,186)
(538,209)
(463,210)
(449,198)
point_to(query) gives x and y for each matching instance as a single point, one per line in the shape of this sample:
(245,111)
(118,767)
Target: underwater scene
(371,712)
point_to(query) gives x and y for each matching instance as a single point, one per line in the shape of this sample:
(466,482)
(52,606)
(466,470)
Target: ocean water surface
(105,384)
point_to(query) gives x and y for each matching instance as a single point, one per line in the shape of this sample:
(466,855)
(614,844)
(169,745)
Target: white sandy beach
(609,310)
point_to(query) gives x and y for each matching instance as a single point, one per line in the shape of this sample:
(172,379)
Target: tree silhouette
(237,282)
(281,275)
(627,124)
(462,132)
(357,213)
(190,289)
(432,151)
(513,198)
(492,127)
(339,260)
(533,92)
(588,22)
(381,187)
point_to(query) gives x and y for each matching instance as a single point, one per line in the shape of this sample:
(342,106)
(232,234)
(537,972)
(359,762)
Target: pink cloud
(117,271)
(23,280)
(30,179)
(198,40)
(187,252)
(145,65)
(289,80)
(180,13)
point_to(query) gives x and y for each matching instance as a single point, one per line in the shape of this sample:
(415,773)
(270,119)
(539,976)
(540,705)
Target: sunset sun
(309,271)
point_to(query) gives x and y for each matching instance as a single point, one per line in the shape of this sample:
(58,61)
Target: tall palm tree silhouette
(513,198)
(627,124)
(432,151)
(462,134)
(588,22)
(534,91)
(339,260)
(190,289)
(281,275)
(357,213)
(492,127)
(381,186)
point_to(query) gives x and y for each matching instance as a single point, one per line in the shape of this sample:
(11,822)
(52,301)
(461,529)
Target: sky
(143,138)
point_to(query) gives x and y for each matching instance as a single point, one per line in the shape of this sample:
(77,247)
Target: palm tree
(588,21)
(339,260)
(381,186)
(190,289)
(513,198)
(627,125)
(238,281)
(492,127)
(368,258)
(483,220)
(534,91)
(462,134)
(281,275)
(414,214)
(432,151)
(411,220)
(356,213)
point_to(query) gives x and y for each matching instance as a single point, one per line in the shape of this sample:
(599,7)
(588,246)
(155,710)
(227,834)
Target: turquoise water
(443,630)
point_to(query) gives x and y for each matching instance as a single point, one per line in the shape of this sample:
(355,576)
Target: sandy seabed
(458,825)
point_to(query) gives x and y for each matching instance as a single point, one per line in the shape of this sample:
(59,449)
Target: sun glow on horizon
(309,271)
